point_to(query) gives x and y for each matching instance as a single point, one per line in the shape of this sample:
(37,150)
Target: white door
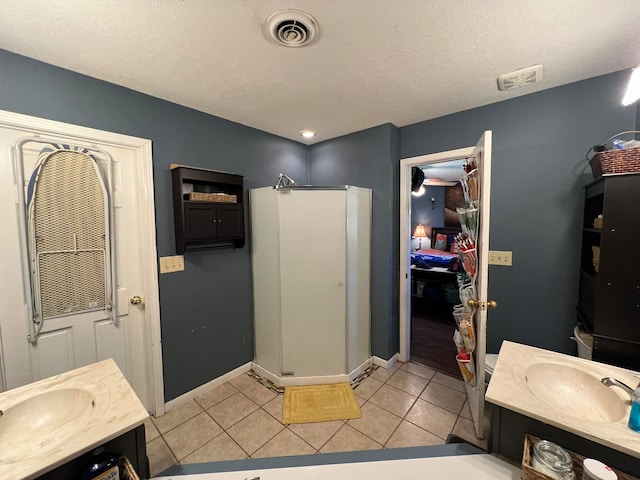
(482,154)
(72,341)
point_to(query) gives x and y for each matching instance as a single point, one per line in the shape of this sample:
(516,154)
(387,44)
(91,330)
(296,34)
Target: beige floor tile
(219,449)
(444,397)
(393,400)
(274,407)
(465,430)
(361,401)
(150,430)
(408,382)
(367,387)
(284,444)
(316,434)
(191,435)
(231,410)
(419,370)
(216,395)
(409,435)
(452,382)
(160,456)
(178,415)
(348,439)
(255,430)
(382,374)
(376,423)
(242,381)
(466,411)
(259,393)
(432,418)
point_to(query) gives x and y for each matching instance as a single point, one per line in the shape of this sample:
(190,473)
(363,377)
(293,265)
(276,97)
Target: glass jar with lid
(552,460)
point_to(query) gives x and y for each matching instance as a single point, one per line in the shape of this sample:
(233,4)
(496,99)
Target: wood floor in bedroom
(432,327)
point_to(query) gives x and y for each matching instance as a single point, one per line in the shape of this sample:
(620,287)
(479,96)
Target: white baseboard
(202,389)
(315,380)
(385,363)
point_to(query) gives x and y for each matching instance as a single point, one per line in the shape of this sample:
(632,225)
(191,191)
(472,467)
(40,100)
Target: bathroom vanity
(49,428)
(562,399)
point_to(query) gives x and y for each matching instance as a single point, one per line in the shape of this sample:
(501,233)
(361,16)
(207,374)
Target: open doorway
(434,263)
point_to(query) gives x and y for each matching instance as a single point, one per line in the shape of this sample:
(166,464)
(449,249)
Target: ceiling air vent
(292,28)
(520,78)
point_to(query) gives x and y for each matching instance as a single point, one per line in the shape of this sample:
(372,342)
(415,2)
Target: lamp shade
(419,232)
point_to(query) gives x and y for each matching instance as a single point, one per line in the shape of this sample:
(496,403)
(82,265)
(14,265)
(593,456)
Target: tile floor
(406,405)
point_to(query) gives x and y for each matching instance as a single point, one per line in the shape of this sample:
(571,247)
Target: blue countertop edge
(446,450)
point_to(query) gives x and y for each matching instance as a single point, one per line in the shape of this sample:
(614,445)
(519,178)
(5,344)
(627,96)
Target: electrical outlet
(497,257)
(172,264)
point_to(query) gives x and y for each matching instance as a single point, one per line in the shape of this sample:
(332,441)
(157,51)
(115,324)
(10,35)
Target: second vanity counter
(565,392)
(50,422)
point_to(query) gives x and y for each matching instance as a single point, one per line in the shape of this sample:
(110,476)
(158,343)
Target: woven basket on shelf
(213,197)
(616,162)
(528,473)
(596,258)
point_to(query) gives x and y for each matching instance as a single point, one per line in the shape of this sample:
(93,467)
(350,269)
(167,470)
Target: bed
(439,255)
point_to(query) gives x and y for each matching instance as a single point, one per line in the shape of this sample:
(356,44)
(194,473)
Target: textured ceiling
(375,62)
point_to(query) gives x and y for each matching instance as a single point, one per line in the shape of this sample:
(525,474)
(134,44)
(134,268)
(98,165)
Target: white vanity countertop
(508,388)
(109,408)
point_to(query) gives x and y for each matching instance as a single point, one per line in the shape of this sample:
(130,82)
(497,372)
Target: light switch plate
(498,257)
(172,264)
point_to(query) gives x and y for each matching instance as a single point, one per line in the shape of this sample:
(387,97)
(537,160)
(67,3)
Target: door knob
(473,302)
(136,300)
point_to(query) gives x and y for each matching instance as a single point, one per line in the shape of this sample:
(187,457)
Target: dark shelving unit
(609,299)
(202,224)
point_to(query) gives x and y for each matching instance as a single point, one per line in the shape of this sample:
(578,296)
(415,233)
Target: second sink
(28,427)
(574,392)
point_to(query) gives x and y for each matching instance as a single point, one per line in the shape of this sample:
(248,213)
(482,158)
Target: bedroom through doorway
(434,265)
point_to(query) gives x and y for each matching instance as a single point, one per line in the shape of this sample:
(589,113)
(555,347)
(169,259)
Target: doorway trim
(145,201)
(405,236)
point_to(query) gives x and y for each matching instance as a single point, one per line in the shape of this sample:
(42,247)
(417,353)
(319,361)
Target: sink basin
(574,392)
(27,427)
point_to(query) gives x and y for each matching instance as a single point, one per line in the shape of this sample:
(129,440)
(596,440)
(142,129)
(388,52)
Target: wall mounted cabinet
(208,209)
(609,294)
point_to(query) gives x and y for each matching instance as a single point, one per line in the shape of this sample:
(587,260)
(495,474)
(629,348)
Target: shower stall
(311,256)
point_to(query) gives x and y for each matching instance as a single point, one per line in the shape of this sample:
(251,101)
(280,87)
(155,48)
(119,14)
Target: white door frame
(405,236)
(145,201)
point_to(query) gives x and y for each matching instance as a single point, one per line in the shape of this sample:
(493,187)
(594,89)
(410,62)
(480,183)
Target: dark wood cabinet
(207,224)
(131,445)
(609,295)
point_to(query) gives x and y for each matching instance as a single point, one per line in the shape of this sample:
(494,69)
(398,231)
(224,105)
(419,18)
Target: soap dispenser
(634,416)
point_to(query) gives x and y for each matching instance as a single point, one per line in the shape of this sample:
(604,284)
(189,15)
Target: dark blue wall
(538,170)
(206,311)
(427,213)
(370,159)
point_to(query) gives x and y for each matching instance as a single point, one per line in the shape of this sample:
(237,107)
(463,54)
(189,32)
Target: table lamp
(419,233)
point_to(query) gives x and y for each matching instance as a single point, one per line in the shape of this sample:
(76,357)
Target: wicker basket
(596,258)
(528,473)
(213,197)
(616,162)
(597,223)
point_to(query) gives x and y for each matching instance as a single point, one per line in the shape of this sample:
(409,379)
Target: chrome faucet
(612,382)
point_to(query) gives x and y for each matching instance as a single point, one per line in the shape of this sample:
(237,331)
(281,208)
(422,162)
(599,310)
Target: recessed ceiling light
(308,133)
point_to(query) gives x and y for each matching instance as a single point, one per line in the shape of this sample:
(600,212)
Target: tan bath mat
(319,403)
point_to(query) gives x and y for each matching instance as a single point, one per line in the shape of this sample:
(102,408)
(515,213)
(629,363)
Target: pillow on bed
(441,242)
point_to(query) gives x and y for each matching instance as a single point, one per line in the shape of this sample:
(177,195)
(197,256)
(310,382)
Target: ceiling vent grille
(292,28)
(520,78)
